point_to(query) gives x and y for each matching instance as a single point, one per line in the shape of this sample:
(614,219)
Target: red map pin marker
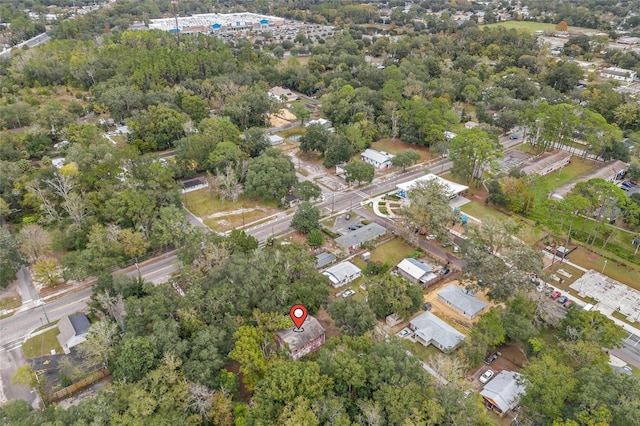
(298,314)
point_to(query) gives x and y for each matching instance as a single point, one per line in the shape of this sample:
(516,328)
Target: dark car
(562,299)
(513,137)
(427,306)
(491,358)
(445,271)
(352,228)
(446,244)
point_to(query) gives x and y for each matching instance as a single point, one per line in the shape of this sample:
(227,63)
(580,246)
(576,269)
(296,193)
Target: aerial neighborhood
(320,213)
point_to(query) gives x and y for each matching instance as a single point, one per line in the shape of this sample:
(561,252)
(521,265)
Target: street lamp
(44,311)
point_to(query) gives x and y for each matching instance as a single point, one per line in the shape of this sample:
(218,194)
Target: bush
(376,268)
(329,232)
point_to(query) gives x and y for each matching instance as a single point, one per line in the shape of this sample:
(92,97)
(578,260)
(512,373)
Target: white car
(348,293)
(431,237)
(488,375)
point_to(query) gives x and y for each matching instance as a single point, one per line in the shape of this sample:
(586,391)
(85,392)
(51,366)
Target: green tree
(406,158)
(359,171)
(390,295)
(306,218)
(223,155)
(195,107)
(241,241)
(301,112)
(548,383)
(316,138)
(338,150)
(353,316)
(9,257)
(315,238)
(249,353)
(134,357)
(98,348)
(591,326)
(307,190)
(134,244)
(428,210)
(270,175)
(473,153)
(254,142)
(47,271)
(156,129)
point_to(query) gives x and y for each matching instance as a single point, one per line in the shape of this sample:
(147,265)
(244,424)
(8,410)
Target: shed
(461,301)
(342,273)
(300,343)
(355,239)
(429,329)
(415,271)
(325,258)
(274,139)
(504,391)
(73,330)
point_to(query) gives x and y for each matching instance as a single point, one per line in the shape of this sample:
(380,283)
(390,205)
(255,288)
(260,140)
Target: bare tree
(35,242)
(61,184)
(98,347)
(227,185)
(76,208)
(371,413)
(114,305)
(50,214)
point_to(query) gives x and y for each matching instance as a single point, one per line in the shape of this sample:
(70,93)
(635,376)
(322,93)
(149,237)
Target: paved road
(26,288)
(630,353)
(15,329)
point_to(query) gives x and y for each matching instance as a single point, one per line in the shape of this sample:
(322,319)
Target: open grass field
(391,252)
(10,302)
(481,211)
(224,215)
(545,185)
(42,344)
(533,26)
(395,146)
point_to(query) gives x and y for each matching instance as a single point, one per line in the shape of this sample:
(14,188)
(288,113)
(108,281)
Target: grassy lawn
(391,252)
(42,344)
(546,184)
(482,211)
(531,26)
(624,318)
(203,204)
(395,146)
(10,302)
(295,131)
(422,352)
(575,274)
(590,260)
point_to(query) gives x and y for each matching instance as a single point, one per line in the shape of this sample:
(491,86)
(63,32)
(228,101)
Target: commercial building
(452,189)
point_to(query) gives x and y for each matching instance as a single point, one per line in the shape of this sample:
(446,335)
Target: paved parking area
(610,293)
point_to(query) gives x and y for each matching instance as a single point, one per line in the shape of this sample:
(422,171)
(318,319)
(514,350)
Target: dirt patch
(281,118)
(48,291)
(327,322)
(243,394)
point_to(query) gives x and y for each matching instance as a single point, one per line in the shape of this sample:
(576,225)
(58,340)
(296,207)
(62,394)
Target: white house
(620,74)
(342,273)
(470,125)
(503,392)
(415,271)
(274,139)
(428,329)
(379,159)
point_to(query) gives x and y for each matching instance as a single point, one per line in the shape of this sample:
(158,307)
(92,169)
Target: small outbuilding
(460,300)
(378,159)
(503,392)
(342,273)
(300,343)
(325,258)
(73,331)
(274,139)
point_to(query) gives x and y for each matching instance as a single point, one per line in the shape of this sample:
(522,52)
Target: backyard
(546,184)
(391,252)
(224,215)
(395,146)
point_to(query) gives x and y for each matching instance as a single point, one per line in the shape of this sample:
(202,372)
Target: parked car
(352,228)
(513,137)
(540,288)
(404,332)
(547,291)
(446,244)
(431,237)
(445,271)
(562,299)
(348,293)
(347,216)
(568,304)
(555,295)
(456,249)
(491,358)
(426,306)
(486,376)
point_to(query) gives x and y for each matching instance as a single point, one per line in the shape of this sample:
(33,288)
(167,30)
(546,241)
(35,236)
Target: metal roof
(504,390)
(356,238)
(430,328)
(462,301)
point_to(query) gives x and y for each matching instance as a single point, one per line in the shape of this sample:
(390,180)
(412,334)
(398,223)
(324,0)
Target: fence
(65,392)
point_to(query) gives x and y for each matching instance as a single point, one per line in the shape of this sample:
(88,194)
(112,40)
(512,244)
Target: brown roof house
(73,331)
(301,343)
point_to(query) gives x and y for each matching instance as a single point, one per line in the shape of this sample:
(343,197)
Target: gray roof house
(324,258)
(458,299)
(73,330)
(342,273)
(300,343)
(379,159)
(428,329)
(355,239)
(504,391)
(415,271)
